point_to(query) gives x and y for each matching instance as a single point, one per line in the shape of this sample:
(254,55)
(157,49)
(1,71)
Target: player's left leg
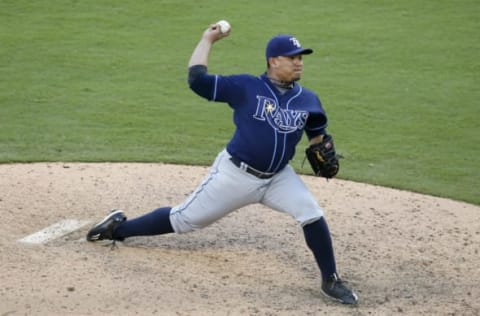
(288,193)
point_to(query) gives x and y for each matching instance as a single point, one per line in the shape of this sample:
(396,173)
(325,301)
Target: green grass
(106,81)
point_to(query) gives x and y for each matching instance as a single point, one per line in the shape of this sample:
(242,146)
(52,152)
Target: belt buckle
(246,168)
(260,174)
(243,166)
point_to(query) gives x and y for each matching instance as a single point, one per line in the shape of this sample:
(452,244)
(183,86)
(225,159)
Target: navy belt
(261,175)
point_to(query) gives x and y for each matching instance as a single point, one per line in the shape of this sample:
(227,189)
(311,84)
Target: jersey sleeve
(201,82)
(215,87)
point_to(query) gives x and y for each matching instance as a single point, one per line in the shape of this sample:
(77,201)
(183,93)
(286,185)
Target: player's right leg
(105,228)
(225,189)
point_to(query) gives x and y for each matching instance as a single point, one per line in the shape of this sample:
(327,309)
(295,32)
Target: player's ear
(272,61)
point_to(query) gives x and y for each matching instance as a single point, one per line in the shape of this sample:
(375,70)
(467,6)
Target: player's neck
(280,83)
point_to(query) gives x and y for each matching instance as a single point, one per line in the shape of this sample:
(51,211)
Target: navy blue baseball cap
(285,45)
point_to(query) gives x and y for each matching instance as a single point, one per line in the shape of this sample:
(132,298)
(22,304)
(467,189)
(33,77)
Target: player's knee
(311,220)
(182,223)
(308,216)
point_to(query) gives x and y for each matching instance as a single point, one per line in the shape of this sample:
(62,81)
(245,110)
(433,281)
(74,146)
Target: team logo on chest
(282,120)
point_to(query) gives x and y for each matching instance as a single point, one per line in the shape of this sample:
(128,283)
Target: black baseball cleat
(338,290)
(105,229)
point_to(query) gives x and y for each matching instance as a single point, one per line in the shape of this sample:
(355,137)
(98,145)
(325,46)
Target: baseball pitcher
(271,112)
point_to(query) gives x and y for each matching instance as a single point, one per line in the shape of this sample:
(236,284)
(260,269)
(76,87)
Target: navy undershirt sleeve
(201,82)
(316,125)
(195,72)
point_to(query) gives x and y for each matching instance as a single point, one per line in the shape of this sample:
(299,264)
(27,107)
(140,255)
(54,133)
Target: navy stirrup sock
(317,236)
(156,222)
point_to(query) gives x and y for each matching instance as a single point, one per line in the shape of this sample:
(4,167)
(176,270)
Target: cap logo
(295,42)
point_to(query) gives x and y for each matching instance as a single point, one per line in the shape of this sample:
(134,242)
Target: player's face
(287,68)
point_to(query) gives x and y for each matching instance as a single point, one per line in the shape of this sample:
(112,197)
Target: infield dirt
(404,253)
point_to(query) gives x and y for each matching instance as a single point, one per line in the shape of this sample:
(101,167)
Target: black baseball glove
(323,158)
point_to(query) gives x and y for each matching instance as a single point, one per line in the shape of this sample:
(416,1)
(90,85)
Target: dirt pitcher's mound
(406,254)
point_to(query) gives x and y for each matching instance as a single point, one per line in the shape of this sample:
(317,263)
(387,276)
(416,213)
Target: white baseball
(224,26)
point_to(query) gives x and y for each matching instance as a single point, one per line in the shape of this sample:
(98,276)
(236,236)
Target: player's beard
(297,76)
